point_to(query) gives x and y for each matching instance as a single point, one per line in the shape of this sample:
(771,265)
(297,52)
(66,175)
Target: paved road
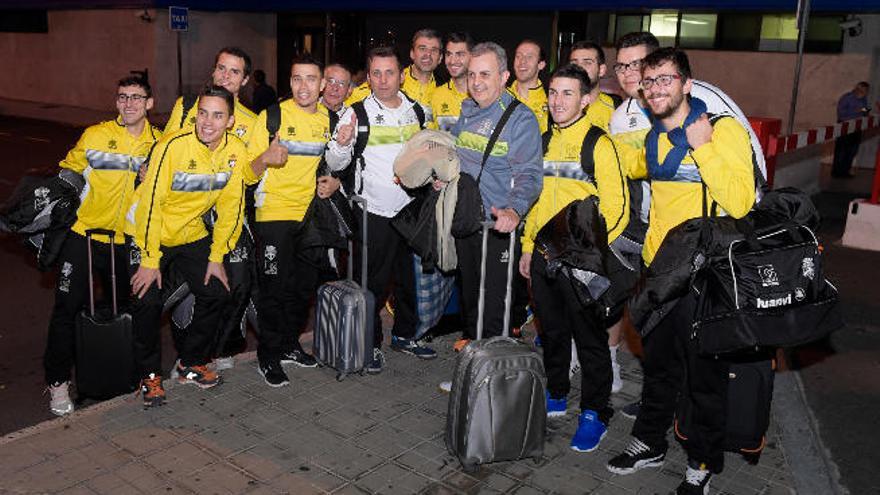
(26,295)
(839,375)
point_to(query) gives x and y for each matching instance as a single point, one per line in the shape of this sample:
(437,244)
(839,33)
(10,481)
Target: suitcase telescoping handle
(363,205)
(111,234)
(508,295)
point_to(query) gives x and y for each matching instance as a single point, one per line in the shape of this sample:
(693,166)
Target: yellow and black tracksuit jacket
(537,102)
(244,119)
(421,93)
(565,181)
(599,112)
(108,157)
(185,179)
(724,165)
(446,104)
(359,94)
(284,193)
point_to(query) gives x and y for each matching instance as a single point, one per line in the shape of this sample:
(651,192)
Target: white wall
(208,33)
(78,62)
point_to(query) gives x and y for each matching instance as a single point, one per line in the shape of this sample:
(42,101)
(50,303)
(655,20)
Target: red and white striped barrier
(803,139)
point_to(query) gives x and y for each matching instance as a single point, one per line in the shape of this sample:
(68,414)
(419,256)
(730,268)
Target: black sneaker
(375,366)
(299,358)
(696,480)
(273,374)
(412,347)
(631,410)
(637,455)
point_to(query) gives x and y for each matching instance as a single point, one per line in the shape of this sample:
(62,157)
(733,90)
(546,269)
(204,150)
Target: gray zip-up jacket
(513,175)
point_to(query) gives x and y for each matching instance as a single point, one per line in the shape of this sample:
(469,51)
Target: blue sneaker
(556,407)
(412,347)
(538,342)
(590,432)
(374,367)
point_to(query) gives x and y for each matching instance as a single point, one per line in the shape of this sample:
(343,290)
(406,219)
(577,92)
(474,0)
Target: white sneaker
(616,381)
(224,363)
(446,387)
(60,403)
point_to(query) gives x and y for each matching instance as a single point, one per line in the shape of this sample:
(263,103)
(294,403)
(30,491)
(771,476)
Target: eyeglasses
(662,80)
(123,98)
(634,65)
(337,82)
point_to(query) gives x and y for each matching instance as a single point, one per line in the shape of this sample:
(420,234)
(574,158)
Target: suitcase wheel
(469,468)
(340,377)
(752,457)
(537,460)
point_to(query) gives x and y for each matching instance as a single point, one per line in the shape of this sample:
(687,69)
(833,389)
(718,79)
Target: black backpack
(363,131)
(635,229)
(187,102)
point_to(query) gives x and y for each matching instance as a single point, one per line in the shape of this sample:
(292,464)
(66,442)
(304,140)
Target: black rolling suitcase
(497,404)
(104,341)
(344,322)
(749,395)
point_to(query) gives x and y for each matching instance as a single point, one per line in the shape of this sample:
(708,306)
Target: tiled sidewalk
(366,434)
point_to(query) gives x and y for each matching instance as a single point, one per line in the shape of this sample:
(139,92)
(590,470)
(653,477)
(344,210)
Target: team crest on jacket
(380,119)
(232,159)
(270,260)
(64,281)
(192,165)
(444,107)
(291,131)
(485,127)
(112,144)
(240,131)
(41,198)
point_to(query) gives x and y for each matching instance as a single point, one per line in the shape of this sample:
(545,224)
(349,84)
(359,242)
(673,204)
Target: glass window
(628,23)
(697,30)
(778,33)
(664,25)
(824,34)
(739,31)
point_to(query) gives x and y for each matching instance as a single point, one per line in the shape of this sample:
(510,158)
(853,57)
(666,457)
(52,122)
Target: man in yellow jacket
(446,101)
(528,62)
(287,279)
(684,156)
(557,305)
(232,70)
(190,172)
(591,57)
(108,155)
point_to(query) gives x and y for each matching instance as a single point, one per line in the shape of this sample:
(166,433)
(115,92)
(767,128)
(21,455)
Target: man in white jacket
(371,147)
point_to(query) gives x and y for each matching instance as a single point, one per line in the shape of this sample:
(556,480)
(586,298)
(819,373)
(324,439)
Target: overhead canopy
(843,6)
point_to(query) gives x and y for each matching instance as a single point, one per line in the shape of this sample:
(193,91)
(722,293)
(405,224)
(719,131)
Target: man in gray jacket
(510,182)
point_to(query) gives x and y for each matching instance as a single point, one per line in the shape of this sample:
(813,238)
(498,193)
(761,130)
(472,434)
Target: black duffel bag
(769,290)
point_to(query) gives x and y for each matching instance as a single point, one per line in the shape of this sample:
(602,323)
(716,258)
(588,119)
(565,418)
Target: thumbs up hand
(276,155)
(345,132)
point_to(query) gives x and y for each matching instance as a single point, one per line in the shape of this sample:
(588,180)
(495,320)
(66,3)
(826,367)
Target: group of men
(176,200)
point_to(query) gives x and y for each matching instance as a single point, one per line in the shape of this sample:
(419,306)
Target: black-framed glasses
(662,80)
(135,98)
(634,65)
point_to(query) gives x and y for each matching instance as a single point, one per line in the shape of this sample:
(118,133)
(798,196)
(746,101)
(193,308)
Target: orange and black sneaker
(152,391)
(198,375)
(460,344)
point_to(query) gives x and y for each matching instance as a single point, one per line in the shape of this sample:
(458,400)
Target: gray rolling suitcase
(497,405)
(104,340)
(344,320)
